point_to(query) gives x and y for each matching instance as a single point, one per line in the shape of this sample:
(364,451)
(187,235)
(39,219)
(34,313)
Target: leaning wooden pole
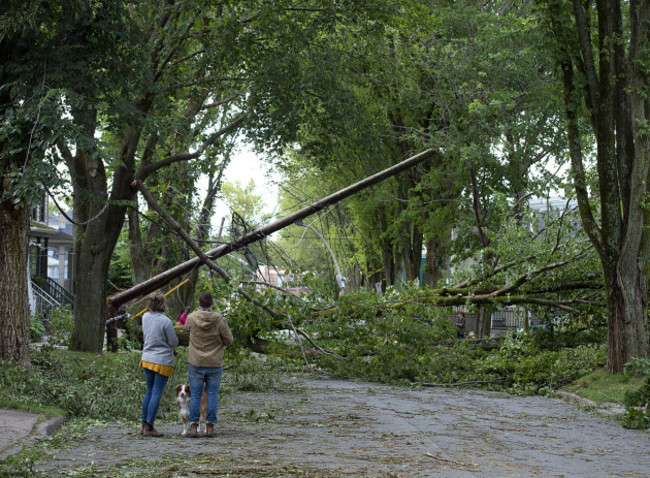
(163,278)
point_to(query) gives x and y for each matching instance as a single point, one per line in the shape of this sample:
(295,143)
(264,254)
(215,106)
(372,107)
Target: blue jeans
(211,376)
(156,384)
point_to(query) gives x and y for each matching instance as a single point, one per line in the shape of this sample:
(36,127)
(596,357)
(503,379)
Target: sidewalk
(17,428)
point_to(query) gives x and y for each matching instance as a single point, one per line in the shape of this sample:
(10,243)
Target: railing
(512,318)
(507,318)
(58,293)
(45,303)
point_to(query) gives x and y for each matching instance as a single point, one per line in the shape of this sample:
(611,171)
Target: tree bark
(434,259)
(14,301)
(14,203)
(626,294)
(484,322)
(94,245)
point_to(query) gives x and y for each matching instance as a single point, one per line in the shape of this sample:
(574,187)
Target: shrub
(637,403)
(60,325)
(559,332)
(254,374)
(84,385)
(400,348)
(36,329)
(385,344)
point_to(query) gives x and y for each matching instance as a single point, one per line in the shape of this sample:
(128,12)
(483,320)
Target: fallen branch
(212,265)
(458,464)
(525,277)
(508,265)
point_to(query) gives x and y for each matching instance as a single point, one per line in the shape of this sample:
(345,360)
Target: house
(60,252)
(280,278)
(51,261)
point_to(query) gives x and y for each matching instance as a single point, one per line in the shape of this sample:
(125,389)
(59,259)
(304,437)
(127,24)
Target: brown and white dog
(183,394)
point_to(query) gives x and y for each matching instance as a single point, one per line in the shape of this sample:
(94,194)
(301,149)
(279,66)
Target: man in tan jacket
(209,336)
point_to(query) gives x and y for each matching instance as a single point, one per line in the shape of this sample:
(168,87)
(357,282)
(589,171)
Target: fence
(507,318)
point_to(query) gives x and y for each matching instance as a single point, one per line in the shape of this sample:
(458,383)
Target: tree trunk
(97,230)
(92,276)
(484,322)
(140,260)
(413,252)
(14,301)
(14,216)
(627,333)
(435,257)
(614,90)
(94,244)
(388,262)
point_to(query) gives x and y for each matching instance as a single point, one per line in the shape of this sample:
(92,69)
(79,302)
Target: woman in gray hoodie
(157,360)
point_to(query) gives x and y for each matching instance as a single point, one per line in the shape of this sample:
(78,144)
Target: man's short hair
(205,299)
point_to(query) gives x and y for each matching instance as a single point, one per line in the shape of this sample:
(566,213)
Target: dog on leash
(183,394)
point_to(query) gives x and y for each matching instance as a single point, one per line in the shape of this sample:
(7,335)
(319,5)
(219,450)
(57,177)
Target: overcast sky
(244,166)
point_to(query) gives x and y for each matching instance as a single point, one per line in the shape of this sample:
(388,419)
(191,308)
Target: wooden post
(163,278)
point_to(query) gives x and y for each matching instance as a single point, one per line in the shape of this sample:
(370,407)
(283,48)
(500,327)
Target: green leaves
(637,403)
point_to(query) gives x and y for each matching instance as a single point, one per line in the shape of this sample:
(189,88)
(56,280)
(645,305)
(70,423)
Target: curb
(50,426)
(39,430)
(606,408)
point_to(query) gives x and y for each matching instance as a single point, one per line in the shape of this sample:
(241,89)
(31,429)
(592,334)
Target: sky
(244,166)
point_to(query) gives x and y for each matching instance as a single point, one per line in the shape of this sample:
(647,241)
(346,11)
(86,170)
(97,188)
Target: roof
(64,228)
(42,230)
(543,204)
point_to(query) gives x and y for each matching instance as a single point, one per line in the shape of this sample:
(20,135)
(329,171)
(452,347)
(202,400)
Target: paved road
(342,428)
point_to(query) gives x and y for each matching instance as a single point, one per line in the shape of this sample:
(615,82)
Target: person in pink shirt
(184,316)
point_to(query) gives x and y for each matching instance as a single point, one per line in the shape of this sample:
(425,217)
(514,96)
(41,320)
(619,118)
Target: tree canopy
(120,97)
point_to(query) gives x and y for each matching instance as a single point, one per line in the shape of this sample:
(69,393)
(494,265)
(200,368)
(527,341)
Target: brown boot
(209,430)
(150,431)
(193,432)
(144,427)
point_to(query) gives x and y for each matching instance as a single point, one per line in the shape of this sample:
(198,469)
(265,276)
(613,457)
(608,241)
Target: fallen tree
(115,301)
(521,288)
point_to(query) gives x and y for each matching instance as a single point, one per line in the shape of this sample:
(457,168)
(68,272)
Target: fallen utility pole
(115,301)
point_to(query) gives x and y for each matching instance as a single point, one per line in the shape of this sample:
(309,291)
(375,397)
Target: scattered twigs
(522,279)
(456,464)
(561,221)
(544,302)
(459,384)
(444,298)
(569,285)
(281,289)
(317,347)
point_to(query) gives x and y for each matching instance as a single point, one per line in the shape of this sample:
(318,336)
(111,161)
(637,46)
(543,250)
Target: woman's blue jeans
(156,384)
(211,376)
